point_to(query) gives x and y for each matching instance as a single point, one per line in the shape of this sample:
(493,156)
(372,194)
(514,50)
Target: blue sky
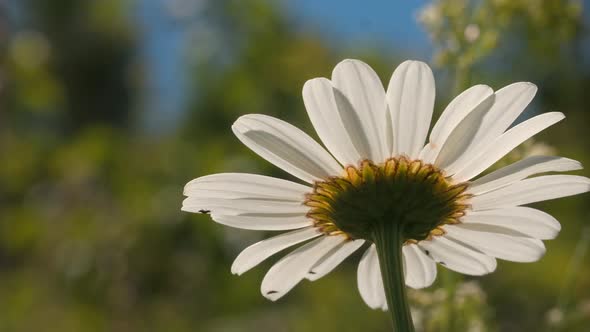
(389,24)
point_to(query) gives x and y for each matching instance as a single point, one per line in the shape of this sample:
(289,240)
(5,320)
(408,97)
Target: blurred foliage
(529,34)
(92,238)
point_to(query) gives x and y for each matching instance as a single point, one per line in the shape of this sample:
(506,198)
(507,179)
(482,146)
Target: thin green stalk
(389,241)
(450,281)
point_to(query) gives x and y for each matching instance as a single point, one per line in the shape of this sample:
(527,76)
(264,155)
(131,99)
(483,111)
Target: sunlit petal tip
(410,97)
(559,115)
(187,205)
(459,257)
(293,268)
(312,84)
(370,283)
(238,124)
(349,61)
(532,86)
(524,220)
(260,251)
(187,186)
(420,271)
(536,189)
(360,97)
(331,260)
(520,86)
(520,170)
(496,243)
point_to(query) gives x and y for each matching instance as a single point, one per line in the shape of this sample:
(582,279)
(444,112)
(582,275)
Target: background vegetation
(91,233)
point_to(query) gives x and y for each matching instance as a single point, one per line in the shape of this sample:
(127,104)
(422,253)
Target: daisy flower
(412,199)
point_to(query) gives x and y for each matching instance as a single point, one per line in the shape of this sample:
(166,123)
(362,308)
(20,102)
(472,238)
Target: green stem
(450,280)
(387,236)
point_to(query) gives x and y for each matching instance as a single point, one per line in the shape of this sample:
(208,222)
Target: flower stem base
(388,238)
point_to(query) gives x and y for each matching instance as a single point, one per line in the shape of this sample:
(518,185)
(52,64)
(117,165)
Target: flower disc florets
(415,195)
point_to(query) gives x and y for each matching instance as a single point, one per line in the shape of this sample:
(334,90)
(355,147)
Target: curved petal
(509,103)
(450,118)
(242,206)
(363,90)
(492,241)
(410,96)
(532,190)
(293,268)
(258,252)
(370,283)
(332,259)
(505,143)
(458,257)
(525,220)
(286,147)
(329,120)
(420,269)
(462,138)
(243,185)
(520,170)
(264,222)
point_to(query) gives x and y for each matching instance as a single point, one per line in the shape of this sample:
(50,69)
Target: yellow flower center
(415,195)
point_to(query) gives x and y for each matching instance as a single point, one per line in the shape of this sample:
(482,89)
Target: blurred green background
(93,164)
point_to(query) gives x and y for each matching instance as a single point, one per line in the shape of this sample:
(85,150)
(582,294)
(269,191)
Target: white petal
(243,185)
(370,283)
(520,170)
(510,102)
(261,221)
(332,259)
(242,206)
(458,257)
(420,270)
(258,252)
(293,268)
(505,143)
(363,90)
(532,190)
(462,137)
(248,201)
(491,242)
(286,147)
(450,118)
(410,96)
(329,120)
(525,220)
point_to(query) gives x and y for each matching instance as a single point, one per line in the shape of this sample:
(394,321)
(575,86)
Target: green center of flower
(416,196)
